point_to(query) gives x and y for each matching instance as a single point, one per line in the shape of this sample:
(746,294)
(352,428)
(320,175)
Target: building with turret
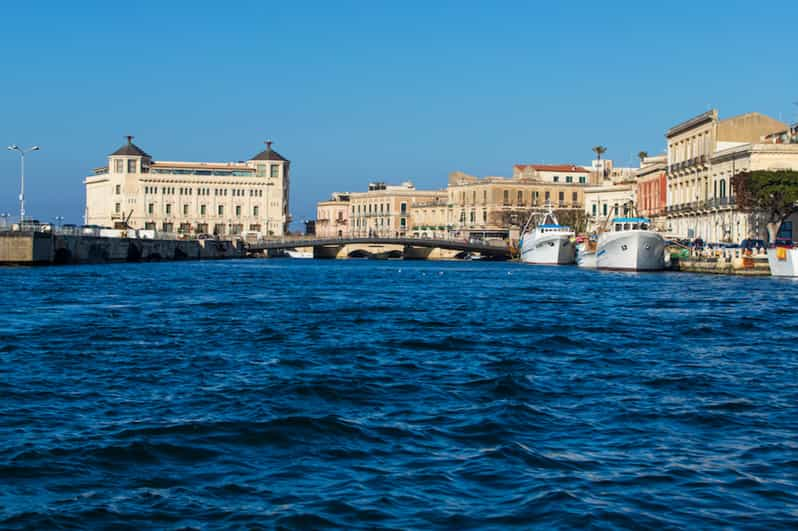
(190,198)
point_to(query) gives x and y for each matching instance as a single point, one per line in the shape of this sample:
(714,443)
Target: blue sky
(353,91)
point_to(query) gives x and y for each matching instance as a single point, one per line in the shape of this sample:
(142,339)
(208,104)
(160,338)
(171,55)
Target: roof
(130,149)
(203,165)
(269,154)
(554,167)
(631,220)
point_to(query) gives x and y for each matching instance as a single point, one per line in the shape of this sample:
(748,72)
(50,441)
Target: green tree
(599,151)
(774,194)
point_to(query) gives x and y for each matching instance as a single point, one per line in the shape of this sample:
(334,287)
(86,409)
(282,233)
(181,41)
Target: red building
(652,187)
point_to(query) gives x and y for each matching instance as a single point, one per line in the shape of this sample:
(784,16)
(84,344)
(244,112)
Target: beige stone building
(332,216)
(430,219)
(607,201)
(703,155)
(492,207)
(223,198)
(386,210)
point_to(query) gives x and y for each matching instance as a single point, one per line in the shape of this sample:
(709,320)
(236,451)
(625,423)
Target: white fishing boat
(783,262)
(299,254)
(548,243)
(586,254)
(630,245)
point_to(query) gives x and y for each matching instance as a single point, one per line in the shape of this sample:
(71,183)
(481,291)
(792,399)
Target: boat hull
(305,255)
(585,257)
(548,249)
(783,262)
(632,250)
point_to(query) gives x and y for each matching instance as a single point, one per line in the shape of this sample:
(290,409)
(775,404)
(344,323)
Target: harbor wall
(31,248)
(723,262)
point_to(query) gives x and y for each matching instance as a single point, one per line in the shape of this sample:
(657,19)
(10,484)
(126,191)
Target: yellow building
(332,217)
(223,198)
(386,210)
(704,153)
(492,207)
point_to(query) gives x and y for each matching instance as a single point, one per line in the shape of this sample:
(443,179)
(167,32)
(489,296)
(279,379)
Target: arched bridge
(484,249)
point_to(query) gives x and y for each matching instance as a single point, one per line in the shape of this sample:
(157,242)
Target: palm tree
(642,155)
(599,151)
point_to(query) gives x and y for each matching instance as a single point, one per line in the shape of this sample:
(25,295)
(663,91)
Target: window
(562,197)
(261,170)
(569,179)
(202,210)
(131,166)
(520,197)
(117,208)
(150,208)
(555,179)
(185,210)
(403,208)
(484,217)
(723,188)
(594,209)
(403,222)
(575,197)
(275,170)
(582,179)
(238,211)
(471,217)
(605,209)
(484,196)
(149,225)
(506,197)
(119,166)
(256,210)
(221,210)
(548,195)
(168,209)
(118,189)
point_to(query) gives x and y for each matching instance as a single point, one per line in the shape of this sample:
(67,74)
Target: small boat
(783,261)
(586,253)
(548,243)
(299,254)
(630,245)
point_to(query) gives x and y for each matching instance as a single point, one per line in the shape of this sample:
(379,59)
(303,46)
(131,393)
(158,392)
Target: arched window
(723,188)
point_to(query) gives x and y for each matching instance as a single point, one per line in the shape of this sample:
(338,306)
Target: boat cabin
(553,228)
(622,224)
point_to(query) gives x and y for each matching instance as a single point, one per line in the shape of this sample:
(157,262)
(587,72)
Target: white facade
(219,198)
(606,202)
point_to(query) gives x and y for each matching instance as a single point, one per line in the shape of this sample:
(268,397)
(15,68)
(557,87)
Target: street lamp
(4,216)
(22,152)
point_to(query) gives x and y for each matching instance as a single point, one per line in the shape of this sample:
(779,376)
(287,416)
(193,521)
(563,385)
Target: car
(753,244)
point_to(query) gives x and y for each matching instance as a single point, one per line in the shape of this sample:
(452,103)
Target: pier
(48,248)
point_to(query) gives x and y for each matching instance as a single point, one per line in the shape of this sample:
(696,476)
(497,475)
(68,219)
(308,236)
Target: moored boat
(586,254)
(783,261)
(299,254)
(630,245)
(548,243)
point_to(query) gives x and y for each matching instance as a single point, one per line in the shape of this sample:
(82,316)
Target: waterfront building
(652,188)
(552,173)
(430,219)
(606,201)
(386,210)
(496,207)
(704,153)
(332,216)
(221,198)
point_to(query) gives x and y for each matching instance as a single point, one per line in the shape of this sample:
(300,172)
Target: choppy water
(395,394)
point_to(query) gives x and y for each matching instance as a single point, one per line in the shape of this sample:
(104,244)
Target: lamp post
(22,153)
(4,216)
